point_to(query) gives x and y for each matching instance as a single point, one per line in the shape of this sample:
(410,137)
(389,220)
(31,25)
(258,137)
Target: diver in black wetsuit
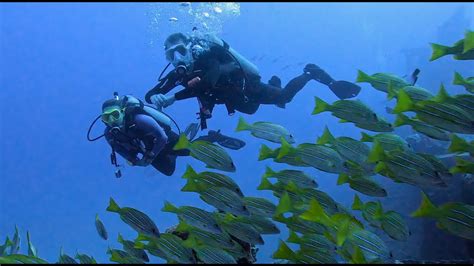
(214,73)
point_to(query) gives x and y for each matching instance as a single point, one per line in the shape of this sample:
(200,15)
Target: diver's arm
(154,136)
(120,149)
(164,86)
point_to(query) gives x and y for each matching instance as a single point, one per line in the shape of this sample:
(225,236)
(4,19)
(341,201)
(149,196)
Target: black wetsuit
(144,128)
(222,83)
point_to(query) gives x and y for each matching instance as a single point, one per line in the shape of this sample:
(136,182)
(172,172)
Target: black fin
(344,89)
(414,77)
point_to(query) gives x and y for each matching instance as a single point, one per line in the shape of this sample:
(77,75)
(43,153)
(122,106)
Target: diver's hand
(161,100)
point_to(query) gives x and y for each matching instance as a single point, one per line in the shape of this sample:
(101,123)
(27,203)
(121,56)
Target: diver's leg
(270,94)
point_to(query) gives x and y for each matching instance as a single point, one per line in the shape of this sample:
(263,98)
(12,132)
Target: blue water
(60,61)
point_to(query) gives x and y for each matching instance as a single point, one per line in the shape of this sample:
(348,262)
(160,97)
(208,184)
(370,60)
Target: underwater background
(60,61)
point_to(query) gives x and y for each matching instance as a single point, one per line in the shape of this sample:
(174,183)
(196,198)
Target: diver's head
(112,113)
(178,51)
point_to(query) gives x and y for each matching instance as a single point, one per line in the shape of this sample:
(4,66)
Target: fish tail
(438,51)
(189,173)
(293,238)
(285,148)
(362,77)
(327,137)
(183,143)
(380,167)
(283,252)
(377,153)
(457,144)
(378,211)
(269,172)
(442,94)
(320,106)
(366,137)
(242,125)
(316,213)
(96,216)
(342,179)
(391,92)
(357,205)
(169,207)
(191,186)
(404,103)
(265,184)
(468,41)
(113,206)
(401,120)
(458,79)
(284,205)
(426,209)
(120,238)
(265,152)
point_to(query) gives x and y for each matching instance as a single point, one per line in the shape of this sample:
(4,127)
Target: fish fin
(358,204)
(363,77)
(377,153)
(265,152)
(190,173)
(468,41)
(265,184)
(391,92)
(342,179)
(426,208)
(438,51)
(285,148)
(458,79)
(242,125)
(404,103)
(366,137)
(327,137)
(284,205)
(113,206)
(457,144)
(169,207)
(320,106)
(401,120)
(283,252)
(293,238)
(183,143)
(269,172)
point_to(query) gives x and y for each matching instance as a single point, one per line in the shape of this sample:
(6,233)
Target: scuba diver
(210,70)
(133,129)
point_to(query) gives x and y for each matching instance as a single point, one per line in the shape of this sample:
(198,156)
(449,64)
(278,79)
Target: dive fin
(344,89)
(275,81)
(414,77)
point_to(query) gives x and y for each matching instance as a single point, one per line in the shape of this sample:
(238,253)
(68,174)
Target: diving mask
(112,116)
(181,57)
